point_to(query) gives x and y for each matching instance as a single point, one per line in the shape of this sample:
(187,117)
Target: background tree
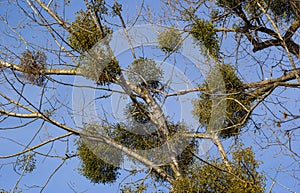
(247,104)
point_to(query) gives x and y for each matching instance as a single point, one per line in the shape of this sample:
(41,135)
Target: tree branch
(222,153)
(291,75)
(284,45)
(53,71)
(37,146)
(149,163)
(292,29)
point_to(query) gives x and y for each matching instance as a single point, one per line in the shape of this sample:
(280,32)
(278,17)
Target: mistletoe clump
(169,40)
(205,34)
(34,65)
(147,141)
(100,66)
(138,112)
(143,70)
(99,161)
(26,162)
(237,102)
(212,178)
(93,167)
(84,33)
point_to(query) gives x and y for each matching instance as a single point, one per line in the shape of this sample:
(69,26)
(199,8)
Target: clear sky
(67,178)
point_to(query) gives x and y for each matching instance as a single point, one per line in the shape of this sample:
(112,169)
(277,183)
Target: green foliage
(186,157)
(139,112)
(136,188)
(129,137)
(235,112)
(215,178)
(98,171)
(168,40)
(34,65)
(185,161)
(26,162)
(94,168)
(84,32)
(143,70)
(98,65)
(204,32)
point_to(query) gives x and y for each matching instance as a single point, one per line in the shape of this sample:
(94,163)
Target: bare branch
(36,146)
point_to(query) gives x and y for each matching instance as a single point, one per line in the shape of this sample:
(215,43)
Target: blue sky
(67,178)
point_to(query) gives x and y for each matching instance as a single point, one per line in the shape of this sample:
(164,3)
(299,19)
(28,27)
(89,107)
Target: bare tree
(180,89)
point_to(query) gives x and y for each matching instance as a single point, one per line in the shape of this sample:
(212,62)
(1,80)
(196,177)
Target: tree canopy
(166,96)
